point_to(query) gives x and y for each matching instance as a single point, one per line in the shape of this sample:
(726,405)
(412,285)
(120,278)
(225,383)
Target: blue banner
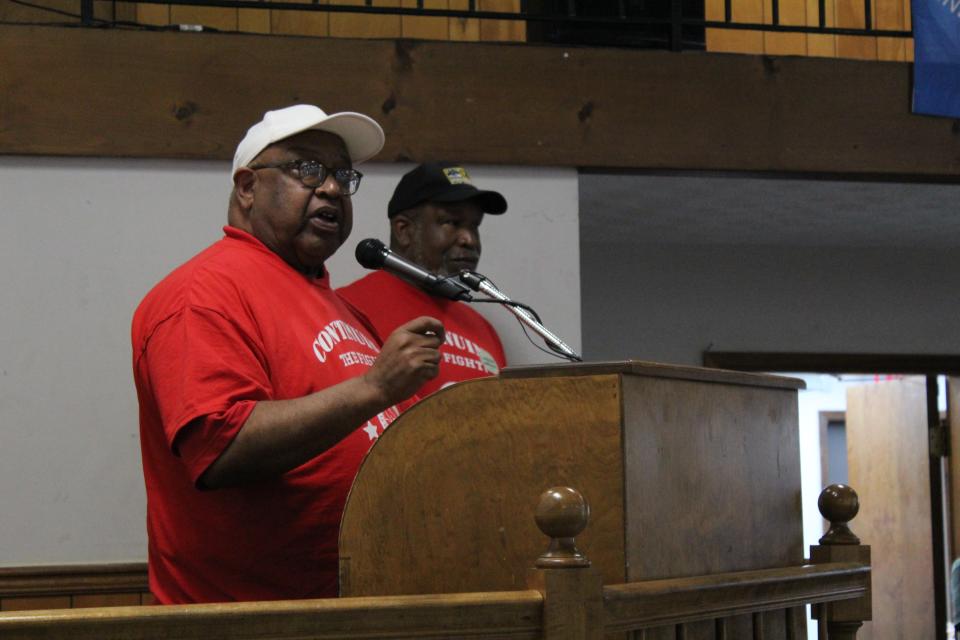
(936,52)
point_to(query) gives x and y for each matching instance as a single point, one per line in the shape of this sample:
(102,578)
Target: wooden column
(571,588)
(840,620)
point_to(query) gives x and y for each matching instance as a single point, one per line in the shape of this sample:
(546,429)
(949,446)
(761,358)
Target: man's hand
(281,435)
(409,358)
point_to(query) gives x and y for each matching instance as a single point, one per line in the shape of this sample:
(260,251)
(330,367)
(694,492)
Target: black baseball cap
(441,182)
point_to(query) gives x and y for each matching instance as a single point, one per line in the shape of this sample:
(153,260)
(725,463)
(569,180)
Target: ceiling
(713,209)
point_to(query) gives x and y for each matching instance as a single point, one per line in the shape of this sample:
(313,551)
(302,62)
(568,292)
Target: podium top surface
(654,370)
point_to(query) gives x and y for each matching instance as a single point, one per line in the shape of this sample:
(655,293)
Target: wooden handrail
(515,614)
(656,603)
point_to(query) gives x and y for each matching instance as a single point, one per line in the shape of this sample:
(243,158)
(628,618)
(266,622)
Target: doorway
(897,459)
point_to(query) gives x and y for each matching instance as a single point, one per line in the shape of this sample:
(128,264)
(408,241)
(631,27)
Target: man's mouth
(326,219)
(460,263)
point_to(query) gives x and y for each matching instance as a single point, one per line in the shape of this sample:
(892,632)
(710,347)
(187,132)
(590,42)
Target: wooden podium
(688,471)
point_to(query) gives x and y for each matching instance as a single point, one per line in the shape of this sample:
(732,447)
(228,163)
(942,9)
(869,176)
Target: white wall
(82,240)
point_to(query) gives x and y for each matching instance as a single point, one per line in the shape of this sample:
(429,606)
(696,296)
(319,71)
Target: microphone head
(371,253)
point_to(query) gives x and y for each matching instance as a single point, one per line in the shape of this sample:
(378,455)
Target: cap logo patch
(457,175)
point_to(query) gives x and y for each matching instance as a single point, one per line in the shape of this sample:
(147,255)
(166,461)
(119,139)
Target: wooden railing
(566,601)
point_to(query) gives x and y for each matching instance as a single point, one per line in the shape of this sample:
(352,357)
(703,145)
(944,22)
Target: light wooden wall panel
(320,23)
(502,30)
(425,28)
(153,14)
(217,18)
(792,13)
(887,15)
(817,44)
(361,25)
(300,23)
(894,14)
(463,29)
(735,40)
(253,20)
(851,14)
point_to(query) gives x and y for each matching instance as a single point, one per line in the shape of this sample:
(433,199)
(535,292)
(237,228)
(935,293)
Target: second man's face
(445,237)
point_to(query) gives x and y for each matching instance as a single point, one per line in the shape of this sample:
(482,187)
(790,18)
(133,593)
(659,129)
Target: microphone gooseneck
(482,284)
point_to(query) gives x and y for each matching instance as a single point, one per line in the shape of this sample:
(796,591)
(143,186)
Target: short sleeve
(202,365)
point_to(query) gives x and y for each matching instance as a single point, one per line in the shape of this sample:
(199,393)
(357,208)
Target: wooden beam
(192,95)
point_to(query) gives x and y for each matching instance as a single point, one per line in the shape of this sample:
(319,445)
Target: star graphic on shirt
(371,431)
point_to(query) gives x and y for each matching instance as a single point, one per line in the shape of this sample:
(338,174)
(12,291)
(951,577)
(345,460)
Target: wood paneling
(893,14)
(821,45)
(153,14)
(64,587)
(463,29)
(365,25)
(887,14)
(32,603)
(300,23)
(502,30)
(254,20)
(508,104)
(792,13)
(888,467)
(735,40)
(10,12)
(216,18)
(425,28)
(851,14)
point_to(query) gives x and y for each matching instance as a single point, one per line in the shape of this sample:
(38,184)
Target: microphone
(373,254)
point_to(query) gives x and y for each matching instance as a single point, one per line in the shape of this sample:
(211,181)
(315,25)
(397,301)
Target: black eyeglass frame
(348,179)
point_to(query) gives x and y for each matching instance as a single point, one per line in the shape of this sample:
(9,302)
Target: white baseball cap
(361,134)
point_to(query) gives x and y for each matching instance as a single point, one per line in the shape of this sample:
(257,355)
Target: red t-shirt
(471,349)
(233,326)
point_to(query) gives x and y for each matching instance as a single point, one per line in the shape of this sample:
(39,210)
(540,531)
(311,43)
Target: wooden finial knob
(839,504)
(561,515)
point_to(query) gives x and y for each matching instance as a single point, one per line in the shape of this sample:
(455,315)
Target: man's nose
(468,237)
(329,188)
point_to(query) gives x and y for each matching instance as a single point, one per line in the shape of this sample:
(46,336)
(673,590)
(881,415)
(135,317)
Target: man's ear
(401,232)
(244,181)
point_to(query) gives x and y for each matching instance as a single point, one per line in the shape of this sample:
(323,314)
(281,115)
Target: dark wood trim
(833,362)
(16,582)
(121,93)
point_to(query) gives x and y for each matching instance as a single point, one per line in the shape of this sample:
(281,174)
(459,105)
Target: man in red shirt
(435,215)
(260,390)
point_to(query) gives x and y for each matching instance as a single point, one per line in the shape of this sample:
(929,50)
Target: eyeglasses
(313,174)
